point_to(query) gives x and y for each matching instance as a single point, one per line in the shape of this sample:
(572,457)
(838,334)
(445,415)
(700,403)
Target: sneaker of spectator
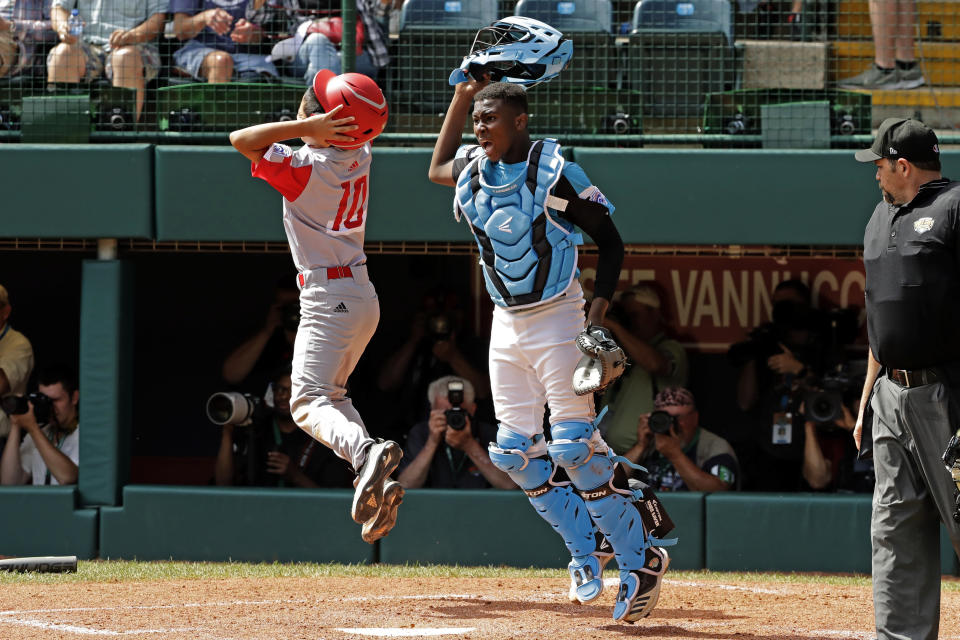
(873,78)
(910,78)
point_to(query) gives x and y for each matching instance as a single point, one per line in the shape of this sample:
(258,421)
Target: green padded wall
(207,193)
(106,352)
(679,196)
(788,532)
(77,191)
(794,532)
(220,524)
(492,527)
(44,521)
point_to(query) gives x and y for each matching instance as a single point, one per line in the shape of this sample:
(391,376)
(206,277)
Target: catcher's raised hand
(603,360)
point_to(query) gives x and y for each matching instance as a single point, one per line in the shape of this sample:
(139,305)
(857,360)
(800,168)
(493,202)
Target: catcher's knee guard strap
(526,462)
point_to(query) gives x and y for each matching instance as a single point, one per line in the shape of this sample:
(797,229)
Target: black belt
(912,377)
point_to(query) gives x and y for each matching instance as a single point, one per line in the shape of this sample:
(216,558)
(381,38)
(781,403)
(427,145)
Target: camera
(290,316)
(619,123)
(738,124)
(825,397)
(761,343)
(440,327)
(231,407)
(115,118)
(456,416)
(661,422)
(18,405)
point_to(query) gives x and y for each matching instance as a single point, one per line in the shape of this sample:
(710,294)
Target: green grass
(132,571)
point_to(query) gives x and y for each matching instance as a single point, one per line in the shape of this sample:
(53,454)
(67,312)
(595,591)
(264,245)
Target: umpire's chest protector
(528,255)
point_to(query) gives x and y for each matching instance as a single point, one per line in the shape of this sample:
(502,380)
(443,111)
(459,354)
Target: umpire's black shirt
(911,254)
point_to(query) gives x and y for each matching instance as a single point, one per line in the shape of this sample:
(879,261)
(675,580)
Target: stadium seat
(589,95)
(681,50)
(434,37)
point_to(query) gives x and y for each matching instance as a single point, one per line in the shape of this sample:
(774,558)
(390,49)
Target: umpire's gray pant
(913,494)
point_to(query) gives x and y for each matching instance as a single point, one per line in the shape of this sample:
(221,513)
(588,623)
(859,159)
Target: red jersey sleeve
(276,167)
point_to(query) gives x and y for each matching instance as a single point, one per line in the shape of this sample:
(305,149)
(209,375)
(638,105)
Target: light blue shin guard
(613,510)
(525,460)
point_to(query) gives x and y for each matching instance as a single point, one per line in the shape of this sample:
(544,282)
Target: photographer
(272,451)
(657,361)
(829,453)
(16,360)
(771,361)
(50,451)
(449,450)
(678,453)
(436,346)
(251,363)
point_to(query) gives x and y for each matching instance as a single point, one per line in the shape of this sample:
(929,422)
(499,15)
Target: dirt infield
(488,608)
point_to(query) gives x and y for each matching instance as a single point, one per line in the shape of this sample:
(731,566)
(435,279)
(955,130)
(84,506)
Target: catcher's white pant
(337,319)
(532,358)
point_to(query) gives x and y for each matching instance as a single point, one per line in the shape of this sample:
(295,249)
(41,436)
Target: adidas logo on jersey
(354,165)
(341,308)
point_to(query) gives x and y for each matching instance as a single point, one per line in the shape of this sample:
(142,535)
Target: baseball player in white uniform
(522,200)
(326,190)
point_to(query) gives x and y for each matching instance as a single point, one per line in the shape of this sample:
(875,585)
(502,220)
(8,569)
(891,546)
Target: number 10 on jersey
(353,205)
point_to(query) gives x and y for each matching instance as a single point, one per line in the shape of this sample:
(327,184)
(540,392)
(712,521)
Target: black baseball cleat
(381,524)
(586,573)
(382,458)
(640,588)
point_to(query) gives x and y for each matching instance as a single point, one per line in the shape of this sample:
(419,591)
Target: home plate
(409,632)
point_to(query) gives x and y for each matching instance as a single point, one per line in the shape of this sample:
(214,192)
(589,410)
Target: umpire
(911,253)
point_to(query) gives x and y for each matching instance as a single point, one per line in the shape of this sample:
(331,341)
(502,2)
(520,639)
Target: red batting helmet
(360,97)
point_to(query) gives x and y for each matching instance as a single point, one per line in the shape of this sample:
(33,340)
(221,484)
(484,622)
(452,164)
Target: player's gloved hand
(602,363)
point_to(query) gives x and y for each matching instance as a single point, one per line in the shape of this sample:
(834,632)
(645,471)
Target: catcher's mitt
(602,363)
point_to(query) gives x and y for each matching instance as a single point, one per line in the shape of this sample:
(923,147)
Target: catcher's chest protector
(528,255)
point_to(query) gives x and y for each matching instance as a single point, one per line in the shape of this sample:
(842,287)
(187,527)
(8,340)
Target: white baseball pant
(532,358)
(337,319)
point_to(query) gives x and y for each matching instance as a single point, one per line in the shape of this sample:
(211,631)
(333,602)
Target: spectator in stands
(273,451)
(771,362)
(315,38)
(894,63)
(438,344)
(685,456)
(118,42)
(24,29)
(449,450)
(16,360)
(250,365)
(658,362)
(50,451)
(223,40)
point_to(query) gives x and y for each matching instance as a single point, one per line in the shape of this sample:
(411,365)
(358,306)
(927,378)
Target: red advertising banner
(714,301)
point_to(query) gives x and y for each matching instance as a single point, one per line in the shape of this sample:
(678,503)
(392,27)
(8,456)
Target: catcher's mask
(516,49)
(360,97)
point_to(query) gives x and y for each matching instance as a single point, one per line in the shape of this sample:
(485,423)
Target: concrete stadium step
(938,19)
(940,61)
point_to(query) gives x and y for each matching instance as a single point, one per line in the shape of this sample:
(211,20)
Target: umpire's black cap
(902,138)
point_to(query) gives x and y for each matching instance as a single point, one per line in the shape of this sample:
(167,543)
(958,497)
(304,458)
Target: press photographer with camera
(771,363)
(249,366)
(449,450)
(657,362)
(47,421)
(437,345)
(677,452)
(16,360)
(261,445)
(829,453)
